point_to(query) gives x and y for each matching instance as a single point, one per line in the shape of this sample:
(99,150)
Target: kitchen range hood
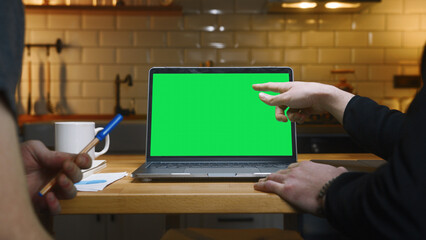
(318,6)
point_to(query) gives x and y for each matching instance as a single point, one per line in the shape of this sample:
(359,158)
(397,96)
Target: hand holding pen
(99,137)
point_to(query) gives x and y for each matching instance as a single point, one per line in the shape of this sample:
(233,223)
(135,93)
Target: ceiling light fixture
(302,5)
(336,5)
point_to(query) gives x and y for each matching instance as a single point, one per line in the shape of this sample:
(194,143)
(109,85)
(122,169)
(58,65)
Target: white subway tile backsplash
(190,6)
(390,91)
(368,22)
(414,6)
(388,6)
(116,38)
(335,22)
(401,56)
(250,39)
(423,22)
(351,39)
(410,70)
(360,74)
(217,39)
(385,39)
(371,89)
(138,90)
(198,56)
(284,39)
(142,72)
(141,106)
(132,55)
(166,23)
(301,55)
(297,71)
(67,55)
(183,39)
(99,55)
(317,39)
(172,56)
(64,21)
(267,56)
(334,55)
(150,39)
(302,22)
(201,22)
(109,72)
(377,43)
(217,7)
(414,39)
(107,105)
(234,22)
(35,21)
(81,72)
(384,72)
(98,22)
(98,89)
(403,22)
(232,56)
(268,22)
(66,89)
(45,36)
(83,106)
(364,56)
(317,73)
(81,38)
(249,6)
(132,22)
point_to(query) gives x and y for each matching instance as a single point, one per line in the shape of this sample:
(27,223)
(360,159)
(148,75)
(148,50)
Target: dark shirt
(391,202)
(11,48)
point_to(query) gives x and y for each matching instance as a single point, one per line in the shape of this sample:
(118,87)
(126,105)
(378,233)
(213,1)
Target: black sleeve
(372,126)
(389,203)
(11,48)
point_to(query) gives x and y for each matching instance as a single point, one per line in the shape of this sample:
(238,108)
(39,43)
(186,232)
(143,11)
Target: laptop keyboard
(218,165)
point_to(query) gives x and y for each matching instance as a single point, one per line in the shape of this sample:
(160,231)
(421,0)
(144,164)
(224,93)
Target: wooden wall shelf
(107,10)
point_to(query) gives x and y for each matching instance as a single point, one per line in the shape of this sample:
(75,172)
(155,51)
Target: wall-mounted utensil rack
(58,46)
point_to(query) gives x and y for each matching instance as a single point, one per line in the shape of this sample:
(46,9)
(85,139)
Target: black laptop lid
(213,114)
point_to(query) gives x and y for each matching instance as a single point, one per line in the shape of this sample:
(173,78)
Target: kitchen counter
(73,117)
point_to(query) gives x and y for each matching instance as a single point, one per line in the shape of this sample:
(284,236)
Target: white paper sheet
(98,181)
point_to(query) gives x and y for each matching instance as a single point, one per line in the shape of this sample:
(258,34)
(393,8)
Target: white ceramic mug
(72,137)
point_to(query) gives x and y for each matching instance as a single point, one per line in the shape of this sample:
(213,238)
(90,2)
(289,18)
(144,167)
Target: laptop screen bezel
(155,70)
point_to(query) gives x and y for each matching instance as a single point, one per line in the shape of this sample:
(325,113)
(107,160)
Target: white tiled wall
(382,41)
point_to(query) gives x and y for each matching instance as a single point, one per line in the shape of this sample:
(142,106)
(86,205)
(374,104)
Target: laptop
(209,123)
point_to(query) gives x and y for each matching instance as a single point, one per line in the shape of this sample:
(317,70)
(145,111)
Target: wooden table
(128,196)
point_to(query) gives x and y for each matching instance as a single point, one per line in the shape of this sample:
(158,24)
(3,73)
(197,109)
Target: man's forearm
(335,101)
(18,220)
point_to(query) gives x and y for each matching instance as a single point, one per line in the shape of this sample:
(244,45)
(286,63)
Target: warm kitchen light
(215,11)
(34,2)
(336,5)
(303,5)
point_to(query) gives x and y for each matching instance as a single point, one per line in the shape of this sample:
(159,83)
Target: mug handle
(97,154)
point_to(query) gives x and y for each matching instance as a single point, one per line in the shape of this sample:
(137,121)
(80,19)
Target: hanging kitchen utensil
(48,101)
(29,83)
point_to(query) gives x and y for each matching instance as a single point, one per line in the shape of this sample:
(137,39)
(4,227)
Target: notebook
(209,123)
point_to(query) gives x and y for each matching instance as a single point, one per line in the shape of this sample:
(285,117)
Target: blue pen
(99,137)
(90,182)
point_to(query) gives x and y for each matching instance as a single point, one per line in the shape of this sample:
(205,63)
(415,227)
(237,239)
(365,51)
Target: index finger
(278,87)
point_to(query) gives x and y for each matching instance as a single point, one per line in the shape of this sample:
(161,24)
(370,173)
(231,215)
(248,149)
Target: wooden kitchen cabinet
(151,226)
(109,227)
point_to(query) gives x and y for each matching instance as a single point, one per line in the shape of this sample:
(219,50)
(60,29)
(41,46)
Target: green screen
(215,114)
